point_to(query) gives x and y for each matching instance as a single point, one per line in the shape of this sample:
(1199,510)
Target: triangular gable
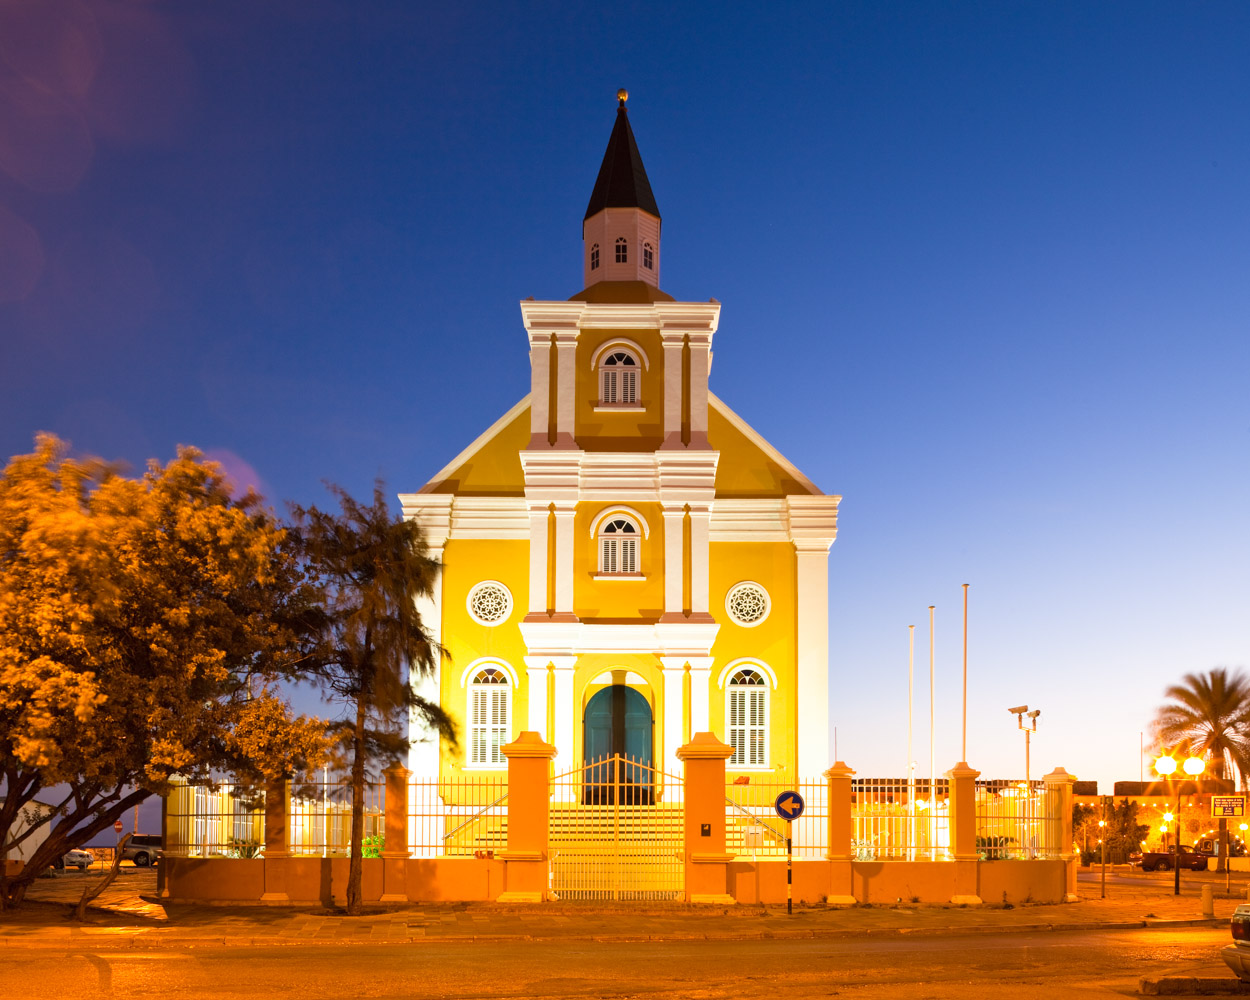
(749,466)
(491,465)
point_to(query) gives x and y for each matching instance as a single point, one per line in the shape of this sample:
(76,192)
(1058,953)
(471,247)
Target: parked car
(143,849)
(1154,860)
(75,859)
(1237,955)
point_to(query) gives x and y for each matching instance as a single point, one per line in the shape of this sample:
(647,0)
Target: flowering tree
(143,623)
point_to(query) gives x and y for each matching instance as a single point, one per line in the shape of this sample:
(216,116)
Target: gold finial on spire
(622,95)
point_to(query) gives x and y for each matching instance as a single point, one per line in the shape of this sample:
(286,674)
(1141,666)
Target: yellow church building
(626,561)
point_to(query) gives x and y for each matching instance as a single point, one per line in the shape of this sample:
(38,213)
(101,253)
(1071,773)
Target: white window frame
(489,712)
(620,550)
(747,720)
(749,710)
(648,257)
(594,257)
(622,250)
(620,382)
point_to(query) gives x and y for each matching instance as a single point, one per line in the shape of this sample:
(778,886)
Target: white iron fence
(754,830)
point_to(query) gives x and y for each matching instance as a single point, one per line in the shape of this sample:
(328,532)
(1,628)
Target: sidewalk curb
(74,940)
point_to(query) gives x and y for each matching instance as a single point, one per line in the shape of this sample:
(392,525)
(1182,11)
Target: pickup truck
(1153,860)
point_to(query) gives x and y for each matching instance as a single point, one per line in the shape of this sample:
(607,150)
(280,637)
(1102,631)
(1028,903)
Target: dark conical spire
(622,180)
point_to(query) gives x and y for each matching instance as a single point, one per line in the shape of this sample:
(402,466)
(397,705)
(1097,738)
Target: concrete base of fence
(312,881)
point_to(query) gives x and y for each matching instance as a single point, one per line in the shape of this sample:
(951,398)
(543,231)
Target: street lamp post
(1165,767)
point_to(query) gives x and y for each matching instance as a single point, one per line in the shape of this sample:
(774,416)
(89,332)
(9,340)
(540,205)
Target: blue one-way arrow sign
(789,805)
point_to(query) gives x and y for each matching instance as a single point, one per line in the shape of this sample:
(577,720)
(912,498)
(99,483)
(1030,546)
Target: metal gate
(617,831)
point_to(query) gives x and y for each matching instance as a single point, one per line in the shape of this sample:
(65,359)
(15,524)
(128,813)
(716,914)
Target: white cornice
(661,639)
(812,521)
(749,521)
(693,318)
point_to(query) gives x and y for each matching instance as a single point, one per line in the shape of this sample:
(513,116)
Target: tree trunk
(355,865)
(90,892)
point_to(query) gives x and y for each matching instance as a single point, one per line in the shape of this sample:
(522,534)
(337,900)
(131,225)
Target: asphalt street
(1077,964)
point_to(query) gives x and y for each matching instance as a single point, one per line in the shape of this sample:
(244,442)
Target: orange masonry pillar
(962,821)
(277,841)
(840,848)
(707,862)
(395,838)
(526,876)
(1059,827)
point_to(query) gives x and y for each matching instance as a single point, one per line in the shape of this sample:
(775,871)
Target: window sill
(619,407)
(500,768)
(619,576)
(748,768)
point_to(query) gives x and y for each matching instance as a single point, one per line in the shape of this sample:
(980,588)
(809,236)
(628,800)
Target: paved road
(1012,966)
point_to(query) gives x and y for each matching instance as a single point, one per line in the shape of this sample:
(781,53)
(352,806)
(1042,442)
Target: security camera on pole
(1021,712)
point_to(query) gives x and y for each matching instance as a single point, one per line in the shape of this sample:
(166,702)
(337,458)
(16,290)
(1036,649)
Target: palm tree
(367,636)
(1208,715)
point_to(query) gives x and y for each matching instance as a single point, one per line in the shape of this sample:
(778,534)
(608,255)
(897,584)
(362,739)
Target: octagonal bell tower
(621,228)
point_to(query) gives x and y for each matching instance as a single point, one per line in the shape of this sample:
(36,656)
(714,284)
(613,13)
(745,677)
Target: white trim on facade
(617,342)
(747,662)
(619,508)
(489,661)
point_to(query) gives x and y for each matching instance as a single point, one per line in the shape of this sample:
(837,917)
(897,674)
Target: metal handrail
(755,819)
(475,817)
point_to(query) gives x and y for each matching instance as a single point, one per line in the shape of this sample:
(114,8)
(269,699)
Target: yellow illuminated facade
(626,561)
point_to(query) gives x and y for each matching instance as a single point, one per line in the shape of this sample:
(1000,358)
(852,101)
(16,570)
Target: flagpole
(964,754)
(932,750)
(911,761)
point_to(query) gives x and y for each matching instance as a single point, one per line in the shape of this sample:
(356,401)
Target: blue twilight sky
(984,272)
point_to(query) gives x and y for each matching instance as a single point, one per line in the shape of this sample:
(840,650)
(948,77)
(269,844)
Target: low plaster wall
(887,882)
(324,880)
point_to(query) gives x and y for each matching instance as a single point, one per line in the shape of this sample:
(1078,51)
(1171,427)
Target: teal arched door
(618,731)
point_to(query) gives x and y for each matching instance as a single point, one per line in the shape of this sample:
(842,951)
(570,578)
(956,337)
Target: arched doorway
(617,741)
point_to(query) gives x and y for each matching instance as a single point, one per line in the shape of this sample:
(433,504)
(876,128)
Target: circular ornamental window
(747,604)
(490,603)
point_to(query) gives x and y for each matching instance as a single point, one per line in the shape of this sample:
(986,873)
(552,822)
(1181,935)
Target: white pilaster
(700,692)
(538,560)
(423,754)
(674,717)
(564,558)
(674,345)
(566,387)
(700,367)
(540,389)
(566,712)
(700,523)
(813,657)
(674,561)
(536,684)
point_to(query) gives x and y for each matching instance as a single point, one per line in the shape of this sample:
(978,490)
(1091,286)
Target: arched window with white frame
(618,379)
(746,707)
(618,546)
(594,257)
(490,708)
(648,257)
(622,251)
